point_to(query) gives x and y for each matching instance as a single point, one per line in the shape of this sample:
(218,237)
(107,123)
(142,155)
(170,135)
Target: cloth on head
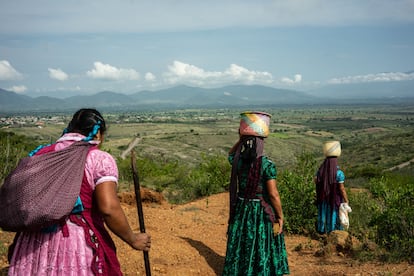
(326,188)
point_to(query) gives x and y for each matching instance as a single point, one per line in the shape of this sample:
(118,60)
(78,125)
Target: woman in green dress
(254,245)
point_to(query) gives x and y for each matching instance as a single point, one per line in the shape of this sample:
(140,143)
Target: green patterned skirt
(252,247)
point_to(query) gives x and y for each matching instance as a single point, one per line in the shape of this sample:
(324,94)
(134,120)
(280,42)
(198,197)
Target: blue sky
(63,47)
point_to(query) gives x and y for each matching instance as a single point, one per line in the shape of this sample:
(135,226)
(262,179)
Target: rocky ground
(190,239)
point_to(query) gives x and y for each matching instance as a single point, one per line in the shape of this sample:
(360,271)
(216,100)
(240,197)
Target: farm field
(376,135)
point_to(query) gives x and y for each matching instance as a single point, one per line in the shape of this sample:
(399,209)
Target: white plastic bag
(344,209)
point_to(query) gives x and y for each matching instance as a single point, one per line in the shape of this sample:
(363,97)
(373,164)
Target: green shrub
(367,171)
(178,181)
(395,222)
(153,173)
(218,170)
(209,177)
(297,192)
(364,208)
(12,148)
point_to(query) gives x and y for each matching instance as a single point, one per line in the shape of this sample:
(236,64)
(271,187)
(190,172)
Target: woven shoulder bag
(42,189)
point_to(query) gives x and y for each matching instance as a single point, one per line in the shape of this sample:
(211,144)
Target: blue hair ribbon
(93,133)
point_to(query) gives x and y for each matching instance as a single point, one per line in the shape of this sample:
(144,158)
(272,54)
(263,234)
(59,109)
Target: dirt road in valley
(190,239)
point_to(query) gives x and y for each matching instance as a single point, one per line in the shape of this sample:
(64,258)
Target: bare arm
(111,210)
(275,201)
(343,192)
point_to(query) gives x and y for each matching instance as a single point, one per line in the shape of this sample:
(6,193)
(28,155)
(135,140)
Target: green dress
(252,246)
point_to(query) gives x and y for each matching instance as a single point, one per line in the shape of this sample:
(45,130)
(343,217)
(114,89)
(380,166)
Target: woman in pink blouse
(82,245)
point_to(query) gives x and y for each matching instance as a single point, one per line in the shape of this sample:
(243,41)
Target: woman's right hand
(142,242)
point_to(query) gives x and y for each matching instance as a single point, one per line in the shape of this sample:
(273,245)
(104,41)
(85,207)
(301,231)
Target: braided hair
(251,153)
(88,122)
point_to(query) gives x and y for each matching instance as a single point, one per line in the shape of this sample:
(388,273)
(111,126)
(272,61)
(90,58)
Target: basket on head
(254,123)
(332,148)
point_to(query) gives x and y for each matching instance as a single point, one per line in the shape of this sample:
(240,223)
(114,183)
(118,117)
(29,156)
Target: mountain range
(227,96)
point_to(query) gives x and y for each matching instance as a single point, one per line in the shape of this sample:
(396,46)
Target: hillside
(196,97)
(175,97)
(190,239)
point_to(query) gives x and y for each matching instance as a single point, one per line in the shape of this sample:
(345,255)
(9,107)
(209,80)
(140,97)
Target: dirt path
(402,165)
(190,240)
(130,147)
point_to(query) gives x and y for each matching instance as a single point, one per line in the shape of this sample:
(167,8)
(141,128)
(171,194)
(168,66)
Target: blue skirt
(328,218)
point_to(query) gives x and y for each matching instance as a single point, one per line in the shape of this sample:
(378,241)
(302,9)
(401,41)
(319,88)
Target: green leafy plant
(209,177)
(394,223)
(12,148)
(297,191)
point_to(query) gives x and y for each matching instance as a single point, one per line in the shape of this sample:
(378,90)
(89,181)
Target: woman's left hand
(278,227)
(280,221)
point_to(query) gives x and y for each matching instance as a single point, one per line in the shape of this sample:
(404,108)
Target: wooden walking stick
(139,209)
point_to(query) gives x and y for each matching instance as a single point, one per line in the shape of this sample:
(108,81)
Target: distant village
(40,121)
(30,120)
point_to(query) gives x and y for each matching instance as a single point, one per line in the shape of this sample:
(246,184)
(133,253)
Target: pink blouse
(38,253)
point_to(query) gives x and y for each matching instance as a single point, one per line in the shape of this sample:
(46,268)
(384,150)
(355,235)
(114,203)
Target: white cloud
(7,72)
(379,77)
(180,72)
(240,73)
(57,74)
(150,76)
(18,89)
(108,72)
(184,70)
(297,79)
